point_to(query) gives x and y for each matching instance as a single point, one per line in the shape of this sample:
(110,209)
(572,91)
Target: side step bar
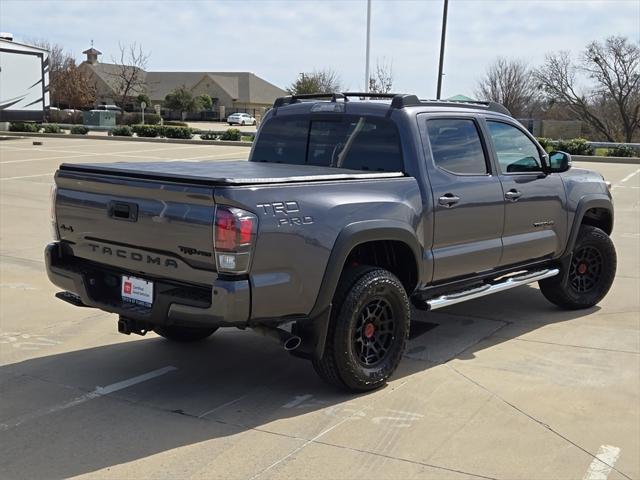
(489,288)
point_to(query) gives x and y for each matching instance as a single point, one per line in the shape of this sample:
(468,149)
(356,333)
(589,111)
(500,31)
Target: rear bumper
(226,303)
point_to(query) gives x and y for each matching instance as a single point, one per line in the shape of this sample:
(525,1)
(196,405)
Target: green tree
(204,102)
(181,100)
(143,97)
(318,81)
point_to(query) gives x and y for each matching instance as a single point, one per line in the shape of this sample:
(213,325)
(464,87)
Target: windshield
(352,142)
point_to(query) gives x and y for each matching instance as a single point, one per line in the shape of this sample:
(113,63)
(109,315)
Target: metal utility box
(99,118)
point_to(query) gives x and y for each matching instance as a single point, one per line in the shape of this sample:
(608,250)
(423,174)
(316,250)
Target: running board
(489,288)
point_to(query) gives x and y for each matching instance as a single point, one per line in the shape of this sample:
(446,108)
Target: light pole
(442,39)
(366,68)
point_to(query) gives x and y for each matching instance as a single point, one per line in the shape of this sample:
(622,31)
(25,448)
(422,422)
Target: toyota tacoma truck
(350,210)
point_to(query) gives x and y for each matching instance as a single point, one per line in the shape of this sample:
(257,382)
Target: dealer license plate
(137,290)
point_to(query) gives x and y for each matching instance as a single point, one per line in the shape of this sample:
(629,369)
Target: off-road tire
(184,334)
(358,289)
(591,272)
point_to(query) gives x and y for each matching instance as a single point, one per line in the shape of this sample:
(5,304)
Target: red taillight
(233,238)
(225,233)
(246,230)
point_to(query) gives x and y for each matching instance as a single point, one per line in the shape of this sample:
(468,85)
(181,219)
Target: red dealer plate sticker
(137,290)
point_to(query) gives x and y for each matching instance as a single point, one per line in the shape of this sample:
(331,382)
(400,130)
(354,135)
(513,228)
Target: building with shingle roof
(235,91)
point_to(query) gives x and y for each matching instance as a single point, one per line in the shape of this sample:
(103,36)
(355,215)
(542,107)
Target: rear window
(356,143)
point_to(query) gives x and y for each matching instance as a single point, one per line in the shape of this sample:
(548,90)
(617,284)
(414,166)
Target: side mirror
(559,162)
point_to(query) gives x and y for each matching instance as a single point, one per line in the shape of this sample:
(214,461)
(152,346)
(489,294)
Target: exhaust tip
(292,343)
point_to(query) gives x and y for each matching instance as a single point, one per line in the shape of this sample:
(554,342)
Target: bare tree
(508,82)
(129,74)
(318,81)
(382,79)
(75,89)
(611,104)
(615,67)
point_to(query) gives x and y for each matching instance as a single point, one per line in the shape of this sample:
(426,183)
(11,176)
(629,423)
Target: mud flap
(313,332)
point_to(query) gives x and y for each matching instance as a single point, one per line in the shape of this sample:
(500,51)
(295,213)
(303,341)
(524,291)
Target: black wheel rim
(374,333)
(586,269)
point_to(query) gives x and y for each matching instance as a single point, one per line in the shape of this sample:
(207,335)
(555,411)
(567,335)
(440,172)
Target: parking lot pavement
(507,386)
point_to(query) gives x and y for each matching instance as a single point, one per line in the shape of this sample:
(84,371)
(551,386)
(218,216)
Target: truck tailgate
(149,227)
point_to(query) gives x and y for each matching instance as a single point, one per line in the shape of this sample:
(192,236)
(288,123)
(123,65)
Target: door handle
(448,200)
(513,195)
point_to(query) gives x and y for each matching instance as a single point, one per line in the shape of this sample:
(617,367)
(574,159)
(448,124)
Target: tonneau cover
(212,172)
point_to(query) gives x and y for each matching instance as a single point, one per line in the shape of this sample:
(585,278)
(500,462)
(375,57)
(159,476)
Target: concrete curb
(129,139)
(593,158)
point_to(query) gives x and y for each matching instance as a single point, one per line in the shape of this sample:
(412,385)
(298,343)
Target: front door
(467,198)
(535,220)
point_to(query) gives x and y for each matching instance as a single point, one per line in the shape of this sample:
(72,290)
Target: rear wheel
(368,331)
(184,334)
(590,275)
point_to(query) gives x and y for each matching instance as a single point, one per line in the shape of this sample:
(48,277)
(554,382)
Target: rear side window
(456,146)
(356,143)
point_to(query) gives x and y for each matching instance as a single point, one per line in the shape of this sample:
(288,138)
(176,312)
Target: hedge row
(580,146)
(134,118)
(152,131)
(168,131)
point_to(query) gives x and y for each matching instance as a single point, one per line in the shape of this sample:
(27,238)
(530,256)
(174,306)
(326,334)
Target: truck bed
(217,173)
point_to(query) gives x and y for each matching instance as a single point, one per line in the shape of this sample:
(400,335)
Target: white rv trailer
(24,81)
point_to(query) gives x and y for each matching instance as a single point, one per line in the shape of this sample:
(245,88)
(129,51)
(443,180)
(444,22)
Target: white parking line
(603,463)
(98,392)
(26,176)
(630,176)
(47,158)
(298,399)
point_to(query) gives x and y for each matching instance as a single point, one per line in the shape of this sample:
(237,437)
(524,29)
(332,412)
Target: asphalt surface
(507,386)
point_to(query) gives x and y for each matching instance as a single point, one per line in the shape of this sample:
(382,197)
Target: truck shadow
(228,388)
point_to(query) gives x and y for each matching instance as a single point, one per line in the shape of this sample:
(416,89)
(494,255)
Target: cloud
(279,39)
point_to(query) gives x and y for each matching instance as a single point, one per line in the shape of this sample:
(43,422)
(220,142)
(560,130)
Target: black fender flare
(586,203)
(349,238)
(353,235)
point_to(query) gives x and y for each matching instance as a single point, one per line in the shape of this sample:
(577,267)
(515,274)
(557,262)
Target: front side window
(515,150)
(456,146)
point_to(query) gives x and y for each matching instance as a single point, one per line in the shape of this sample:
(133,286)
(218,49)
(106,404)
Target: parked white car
(241,119)
(110,108)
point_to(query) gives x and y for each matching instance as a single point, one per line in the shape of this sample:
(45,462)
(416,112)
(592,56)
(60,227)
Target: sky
(279,39)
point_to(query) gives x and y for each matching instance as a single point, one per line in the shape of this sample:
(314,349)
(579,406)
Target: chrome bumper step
(489,288)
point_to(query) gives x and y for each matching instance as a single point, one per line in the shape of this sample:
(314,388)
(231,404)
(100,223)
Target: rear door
(468,198)
(535,220)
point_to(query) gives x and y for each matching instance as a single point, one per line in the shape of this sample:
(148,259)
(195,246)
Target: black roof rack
(289,99)
(398,100)
(491,106)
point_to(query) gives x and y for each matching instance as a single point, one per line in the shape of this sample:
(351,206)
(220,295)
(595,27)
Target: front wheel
(368,330)
(590,275)
(184,334)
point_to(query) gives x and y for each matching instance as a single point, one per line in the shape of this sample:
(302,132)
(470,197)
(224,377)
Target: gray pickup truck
(348,209)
